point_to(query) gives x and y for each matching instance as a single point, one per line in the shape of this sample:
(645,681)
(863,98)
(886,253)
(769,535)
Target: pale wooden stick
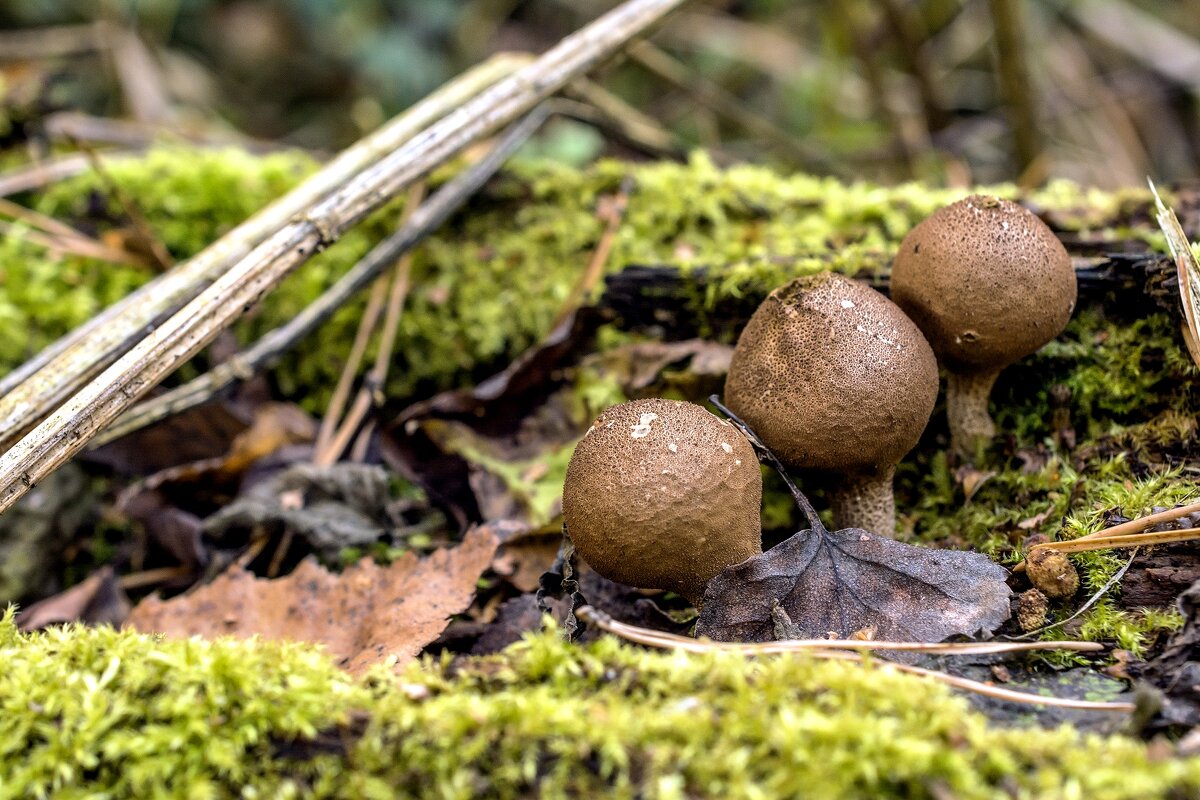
(28,177)
(1084,545)
(821,648)
(591,275)
(358,351)
(1132,526)
(590,614)
(1148,521)
(376,377)
(362,338)
(32,390)
(236,291)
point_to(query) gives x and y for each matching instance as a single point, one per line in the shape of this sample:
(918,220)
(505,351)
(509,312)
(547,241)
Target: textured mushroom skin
(662,494)
(986,281)
(832,375)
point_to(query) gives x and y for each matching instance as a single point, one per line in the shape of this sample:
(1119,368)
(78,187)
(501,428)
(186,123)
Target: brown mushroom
(832,376)
(988,283)
(661,494)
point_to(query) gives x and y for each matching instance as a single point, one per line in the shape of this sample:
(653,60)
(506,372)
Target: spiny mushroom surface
(661,494)
(988,283)
(833,376)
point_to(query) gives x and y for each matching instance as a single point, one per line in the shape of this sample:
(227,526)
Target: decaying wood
(31,391)
(239,288)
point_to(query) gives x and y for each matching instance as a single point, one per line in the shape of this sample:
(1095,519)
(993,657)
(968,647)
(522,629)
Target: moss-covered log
(518,249)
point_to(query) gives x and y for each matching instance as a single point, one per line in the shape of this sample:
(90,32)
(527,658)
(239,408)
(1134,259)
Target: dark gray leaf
(843,582)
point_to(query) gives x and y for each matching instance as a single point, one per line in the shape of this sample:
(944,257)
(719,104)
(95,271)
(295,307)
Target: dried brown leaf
(839,583)
(363,615)
(98,599)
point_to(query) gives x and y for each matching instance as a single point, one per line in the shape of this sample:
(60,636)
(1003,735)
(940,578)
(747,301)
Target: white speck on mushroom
(737,463)
(728,448)
(847,303)
(673,448)
(642,428)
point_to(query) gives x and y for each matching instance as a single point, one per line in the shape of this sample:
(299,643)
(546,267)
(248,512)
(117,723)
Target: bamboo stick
(69,428)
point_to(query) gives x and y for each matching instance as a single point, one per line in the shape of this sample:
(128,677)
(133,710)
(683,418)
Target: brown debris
(363,616)
(98,600)
(1052,572)
(841,582)
(1031,609)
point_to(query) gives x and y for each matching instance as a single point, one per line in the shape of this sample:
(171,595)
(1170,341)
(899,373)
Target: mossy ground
(201,716)
(99,713)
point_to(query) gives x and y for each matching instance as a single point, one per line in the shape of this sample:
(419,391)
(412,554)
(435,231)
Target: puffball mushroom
(832,376)
(988,283)
(661,494)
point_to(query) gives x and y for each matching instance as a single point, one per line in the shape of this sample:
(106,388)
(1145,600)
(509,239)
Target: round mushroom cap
(662,494)
(832,375)
(986,281)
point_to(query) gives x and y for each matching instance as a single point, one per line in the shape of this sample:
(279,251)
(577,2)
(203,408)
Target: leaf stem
(765,455)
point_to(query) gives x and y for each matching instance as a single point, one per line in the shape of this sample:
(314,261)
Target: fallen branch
(236,291)
(30,392)
(266,351)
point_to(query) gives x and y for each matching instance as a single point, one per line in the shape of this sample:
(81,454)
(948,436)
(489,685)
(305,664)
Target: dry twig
(239,288)
(1108,542)
(30,392)
(837,649)
(369,393)
(1130,527)
(431,214)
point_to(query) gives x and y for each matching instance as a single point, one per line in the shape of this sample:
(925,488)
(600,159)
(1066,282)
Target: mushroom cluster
(832,377)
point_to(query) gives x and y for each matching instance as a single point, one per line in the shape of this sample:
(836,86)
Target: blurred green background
(946,91)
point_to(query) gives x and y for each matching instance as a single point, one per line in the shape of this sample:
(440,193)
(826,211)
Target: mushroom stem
(866,501)
(971,426)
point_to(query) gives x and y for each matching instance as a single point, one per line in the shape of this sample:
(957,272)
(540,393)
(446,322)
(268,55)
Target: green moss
(90,713)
